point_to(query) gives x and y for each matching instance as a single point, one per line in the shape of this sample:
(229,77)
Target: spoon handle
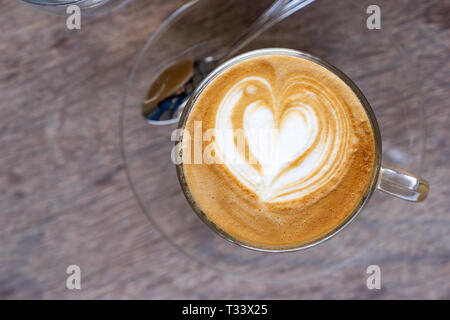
(279,10)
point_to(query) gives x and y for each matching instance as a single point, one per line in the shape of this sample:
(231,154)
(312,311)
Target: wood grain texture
(65,198)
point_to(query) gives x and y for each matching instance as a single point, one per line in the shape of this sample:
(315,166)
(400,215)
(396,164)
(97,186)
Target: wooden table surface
(65,198)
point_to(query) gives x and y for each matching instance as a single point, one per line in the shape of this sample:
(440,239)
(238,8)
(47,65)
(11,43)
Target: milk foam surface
(293,147)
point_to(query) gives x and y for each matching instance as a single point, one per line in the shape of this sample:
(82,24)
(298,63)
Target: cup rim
(373,121)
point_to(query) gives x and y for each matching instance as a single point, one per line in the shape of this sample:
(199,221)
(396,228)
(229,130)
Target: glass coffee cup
(390,180)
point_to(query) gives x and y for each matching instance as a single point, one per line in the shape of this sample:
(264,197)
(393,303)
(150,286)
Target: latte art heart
(298,133)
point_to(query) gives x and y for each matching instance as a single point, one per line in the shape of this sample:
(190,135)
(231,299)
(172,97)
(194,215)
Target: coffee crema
(292,147)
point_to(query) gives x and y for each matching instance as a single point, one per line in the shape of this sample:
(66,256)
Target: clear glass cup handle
(402,184)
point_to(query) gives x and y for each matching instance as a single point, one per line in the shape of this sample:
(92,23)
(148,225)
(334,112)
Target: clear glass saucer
(90,8)
(377,60)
